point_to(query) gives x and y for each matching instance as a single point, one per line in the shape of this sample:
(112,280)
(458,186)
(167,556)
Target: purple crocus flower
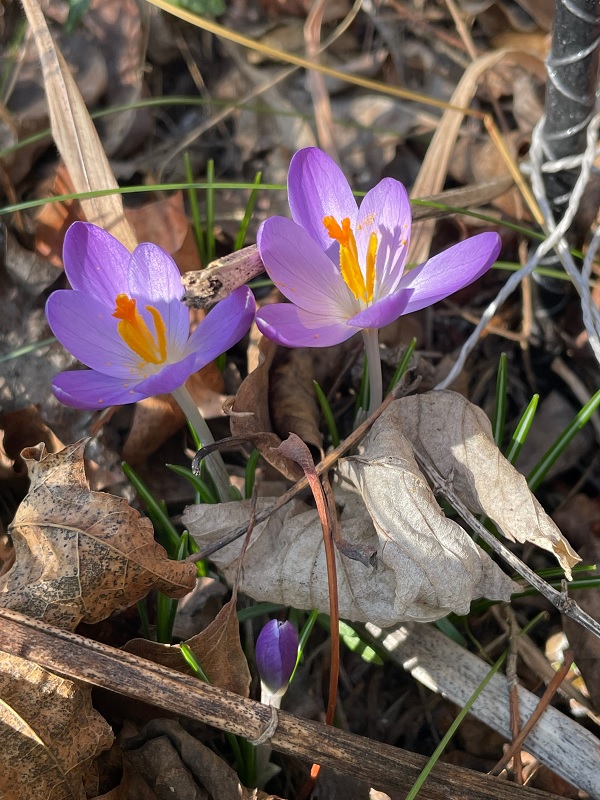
(124,319)
(342,267)
(276,653)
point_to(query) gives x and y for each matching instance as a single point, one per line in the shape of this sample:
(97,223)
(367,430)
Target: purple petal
(276,653)
(385,211)
(86,328)
(224,326)
(153,275)
(451,270)
(302,271)
(169,378)
(95,262)
(382,312)
(317,188)
(155,280)
(87,388)
(290,326)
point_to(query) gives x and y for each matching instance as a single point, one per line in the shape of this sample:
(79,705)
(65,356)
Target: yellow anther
(151,348)
(349,265)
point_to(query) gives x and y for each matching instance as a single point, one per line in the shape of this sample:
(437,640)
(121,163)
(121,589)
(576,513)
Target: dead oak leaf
(49,731)
(80,555)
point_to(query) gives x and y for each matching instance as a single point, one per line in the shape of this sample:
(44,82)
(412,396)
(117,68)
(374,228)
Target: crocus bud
(276,652)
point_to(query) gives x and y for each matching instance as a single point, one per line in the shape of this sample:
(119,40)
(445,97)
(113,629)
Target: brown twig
(545,699)
(381,765)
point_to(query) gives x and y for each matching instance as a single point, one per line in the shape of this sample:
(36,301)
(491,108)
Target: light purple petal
(87,329)
(317,188)
(155,280)
(385,211)
(87,388)
(153,275)
(382,312)
(302,271)
(169,378)
(447,272)
(95,262)
(290,326)
(223,326)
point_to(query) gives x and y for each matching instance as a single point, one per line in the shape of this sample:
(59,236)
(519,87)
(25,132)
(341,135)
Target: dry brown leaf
(456,437)
(251,412)
(23,428)
(580,519)
(164,748)
(49,732)
(427,565)
(434,168)
(163,222)
(217,648)
(80,555)
(75,135)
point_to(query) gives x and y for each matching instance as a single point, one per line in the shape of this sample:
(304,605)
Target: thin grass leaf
(328,414)
(193,663)
(250,474)
(522,430)
(499,419)
(195,212)
(354,643)
(403,365)
(259,610)
(211,249)
(362,398)
(200,486)
(154,509)
(303,638)
(25,349)
(452,729)
(539,472)
(241,235)
(451,631)
(144,621)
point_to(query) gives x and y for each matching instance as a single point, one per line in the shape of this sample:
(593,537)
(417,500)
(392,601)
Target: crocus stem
(214,462)
(371,340)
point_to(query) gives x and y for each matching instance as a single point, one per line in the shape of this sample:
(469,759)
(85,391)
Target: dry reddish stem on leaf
(294,448)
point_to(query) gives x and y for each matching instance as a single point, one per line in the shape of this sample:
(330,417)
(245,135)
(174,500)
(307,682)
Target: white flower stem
(214,462)
(371,340)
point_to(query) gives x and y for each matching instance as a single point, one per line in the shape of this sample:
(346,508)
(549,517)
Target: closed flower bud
(276,653)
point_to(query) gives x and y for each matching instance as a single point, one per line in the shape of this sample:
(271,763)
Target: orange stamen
(349,266)
(152,349)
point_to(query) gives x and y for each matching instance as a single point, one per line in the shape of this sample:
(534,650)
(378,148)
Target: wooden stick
(378,764)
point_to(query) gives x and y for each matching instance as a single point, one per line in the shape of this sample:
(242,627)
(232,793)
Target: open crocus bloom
(342,267)
(125,320)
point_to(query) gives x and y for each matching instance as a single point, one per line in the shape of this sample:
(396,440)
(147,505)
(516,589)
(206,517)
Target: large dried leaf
(427,565)
(80,555)
(49,733)
(456,437)
(75,135)
(217,648)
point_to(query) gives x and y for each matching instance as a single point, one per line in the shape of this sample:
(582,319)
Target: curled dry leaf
(80,555)
(49,731)
(456,437)
(217,648)
(427,565)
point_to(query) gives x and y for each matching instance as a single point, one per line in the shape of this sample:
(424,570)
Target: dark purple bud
(276,652)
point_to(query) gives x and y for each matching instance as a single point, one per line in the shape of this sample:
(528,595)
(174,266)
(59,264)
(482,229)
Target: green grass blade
(522,430)
(195,212)
(241,234)
(25,349)
(154,509)
(328,414)
(200,486)
(452,730)
(250,474)
(539,472)
(403,365)
(500,408)
(211,249)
